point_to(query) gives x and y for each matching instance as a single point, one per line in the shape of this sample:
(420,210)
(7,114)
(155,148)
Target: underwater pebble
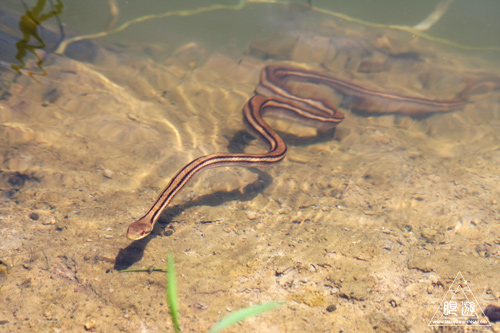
(492,312)
(430,289)
(331,308)
(34,216)
(43,205)
(48,221)
(394,302)
(108,173)
(90,325)
(252,215)
(48,315)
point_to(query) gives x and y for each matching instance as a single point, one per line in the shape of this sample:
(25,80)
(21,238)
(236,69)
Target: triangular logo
(459,307)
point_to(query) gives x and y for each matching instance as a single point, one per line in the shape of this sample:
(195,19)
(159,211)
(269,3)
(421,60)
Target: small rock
(48,315)
(49,221)
(331,308)
(252,215)
(108,173)
(90,325)
(430,289)
(492,312)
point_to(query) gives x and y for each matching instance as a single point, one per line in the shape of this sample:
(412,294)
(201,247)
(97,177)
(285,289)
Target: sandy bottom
(362,231)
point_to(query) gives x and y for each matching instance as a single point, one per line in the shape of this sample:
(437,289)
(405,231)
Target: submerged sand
(362,231)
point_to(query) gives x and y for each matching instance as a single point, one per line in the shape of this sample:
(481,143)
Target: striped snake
(274,99)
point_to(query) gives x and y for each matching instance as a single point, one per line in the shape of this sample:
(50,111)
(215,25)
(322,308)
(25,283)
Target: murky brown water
(373,224)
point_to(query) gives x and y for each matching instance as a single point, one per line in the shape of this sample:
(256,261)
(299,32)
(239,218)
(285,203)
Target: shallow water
(374,222)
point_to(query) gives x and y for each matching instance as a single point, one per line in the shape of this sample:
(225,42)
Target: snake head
(140,228)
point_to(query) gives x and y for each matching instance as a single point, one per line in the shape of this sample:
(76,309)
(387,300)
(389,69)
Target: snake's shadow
(133,252)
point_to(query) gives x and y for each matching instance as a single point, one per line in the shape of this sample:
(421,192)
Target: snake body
(273,98)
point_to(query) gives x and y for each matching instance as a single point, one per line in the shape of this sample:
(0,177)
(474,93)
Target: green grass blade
(171,292)
(243,314)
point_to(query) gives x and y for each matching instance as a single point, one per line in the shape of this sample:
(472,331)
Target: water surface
(374,221)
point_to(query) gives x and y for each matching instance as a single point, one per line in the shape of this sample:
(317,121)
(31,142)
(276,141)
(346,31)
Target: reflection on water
(362,231)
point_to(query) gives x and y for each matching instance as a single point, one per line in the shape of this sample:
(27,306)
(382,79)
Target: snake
(274,98)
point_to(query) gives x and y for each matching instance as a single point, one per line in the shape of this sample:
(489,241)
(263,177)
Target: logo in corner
(459,307)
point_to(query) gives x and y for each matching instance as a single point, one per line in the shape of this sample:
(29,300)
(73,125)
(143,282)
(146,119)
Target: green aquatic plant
(171,297)
(29,24)
(171,292)
(242,314)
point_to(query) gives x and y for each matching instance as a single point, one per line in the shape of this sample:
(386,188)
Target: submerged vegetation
(173,304)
